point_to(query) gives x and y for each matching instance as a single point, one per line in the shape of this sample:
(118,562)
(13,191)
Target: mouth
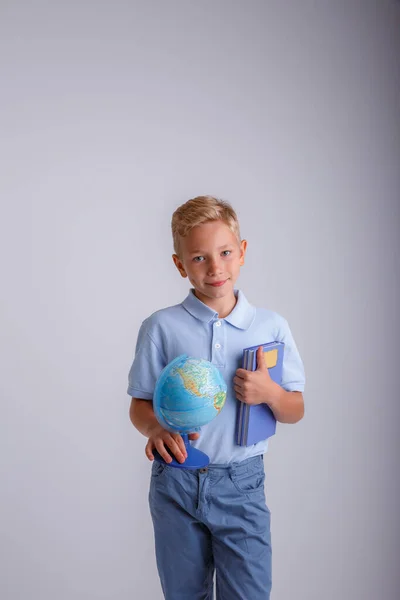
(217,283)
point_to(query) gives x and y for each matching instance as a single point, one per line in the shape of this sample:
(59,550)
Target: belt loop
(198,490)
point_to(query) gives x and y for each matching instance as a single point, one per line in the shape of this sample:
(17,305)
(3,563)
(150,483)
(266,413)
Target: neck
(223,306)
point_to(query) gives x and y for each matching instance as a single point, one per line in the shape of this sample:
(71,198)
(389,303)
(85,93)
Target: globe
(189,393)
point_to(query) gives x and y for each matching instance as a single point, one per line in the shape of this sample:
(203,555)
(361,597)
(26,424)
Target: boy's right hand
(161,439)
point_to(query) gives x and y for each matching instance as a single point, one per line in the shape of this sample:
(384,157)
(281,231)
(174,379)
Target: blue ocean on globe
(189,393)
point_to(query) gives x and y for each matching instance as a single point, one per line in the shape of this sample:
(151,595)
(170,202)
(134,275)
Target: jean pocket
(249,482)
(157,469)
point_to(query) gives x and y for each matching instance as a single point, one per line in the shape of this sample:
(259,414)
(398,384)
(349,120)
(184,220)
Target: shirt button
(218,346)
(218,324)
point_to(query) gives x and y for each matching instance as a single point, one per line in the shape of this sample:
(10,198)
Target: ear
(243,248)
(179,265)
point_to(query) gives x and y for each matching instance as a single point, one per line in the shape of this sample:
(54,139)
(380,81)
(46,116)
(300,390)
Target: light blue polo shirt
(195,329)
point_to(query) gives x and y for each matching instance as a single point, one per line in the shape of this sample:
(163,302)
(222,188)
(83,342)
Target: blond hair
(199,210)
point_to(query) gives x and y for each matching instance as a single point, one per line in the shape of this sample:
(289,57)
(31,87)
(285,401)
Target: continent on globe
(189,382)
(219,400)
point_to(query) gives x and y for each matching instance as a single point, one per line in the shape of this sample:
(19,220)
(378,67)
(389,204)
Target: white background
(114,113)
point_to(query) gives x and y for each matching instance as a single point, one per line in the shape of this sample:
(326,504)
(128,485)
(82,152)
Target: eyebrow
(202,251)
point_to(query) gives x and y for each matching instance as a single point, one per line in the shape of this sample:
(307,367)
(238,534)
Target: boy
(214,518)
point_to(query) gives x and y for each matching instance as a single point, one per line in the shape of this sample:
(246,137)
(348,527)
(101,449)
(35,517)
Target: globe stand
(196,459)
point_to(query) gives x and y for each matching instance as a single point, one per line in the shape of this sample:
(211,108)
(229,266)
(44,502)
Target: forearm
(288,407)
(142,415)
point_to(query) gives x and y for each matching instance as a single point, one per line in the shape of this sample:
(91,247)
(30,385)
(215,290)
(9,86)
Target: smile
(218,283)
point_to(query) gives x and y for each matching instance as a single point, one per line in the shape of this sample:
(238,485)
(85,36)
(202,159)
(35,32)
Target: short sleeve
(146,367)
(293,377)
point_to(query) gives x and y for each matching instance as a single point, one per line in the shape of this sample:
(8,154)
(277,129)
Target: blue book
(257,422)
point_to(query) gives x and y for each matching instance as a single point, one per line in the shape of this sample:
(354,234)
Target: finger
(194,436)
(242,386)
(261,366)
(181,444)
(148,450)
(173,446)
(241,373)
(162,451)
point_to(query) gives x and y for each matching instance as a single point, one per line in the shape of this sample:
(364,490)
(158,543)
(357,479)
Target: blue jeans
(212,519)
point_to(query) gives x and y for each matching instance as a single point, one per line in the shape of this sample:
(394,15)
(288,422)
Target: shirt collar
(242,315)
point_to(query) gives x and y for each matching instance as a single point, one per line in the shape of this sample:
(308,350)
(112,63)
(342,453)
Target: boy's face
(211,257)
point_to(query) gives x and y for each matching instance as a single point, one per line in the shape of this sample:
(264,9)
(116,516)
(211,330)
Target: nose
(214,267)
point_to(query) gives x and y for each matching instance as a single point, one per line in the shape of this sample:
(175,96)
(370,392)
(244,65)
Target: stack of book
(257,422)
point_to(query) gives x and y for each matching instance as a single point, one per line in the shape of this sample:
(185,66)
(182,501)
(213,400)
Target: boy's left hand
(256,387)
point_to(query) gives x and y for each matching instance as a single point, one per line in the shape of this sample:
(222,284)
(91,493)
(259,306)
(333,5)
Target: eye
(226,252)
(198,259)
